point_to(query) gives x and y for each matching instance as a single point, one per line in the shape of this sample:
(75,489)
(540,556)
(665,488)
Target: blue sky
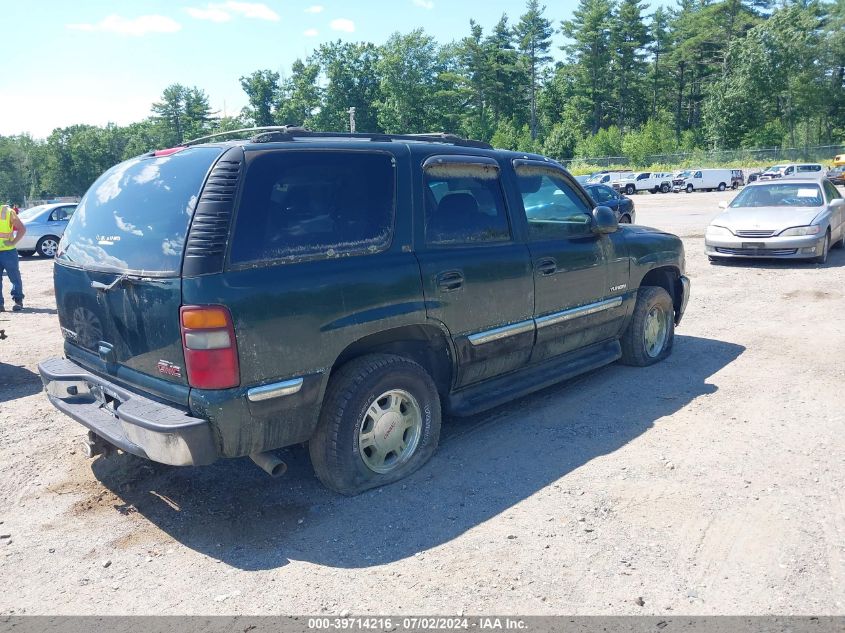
(97,61)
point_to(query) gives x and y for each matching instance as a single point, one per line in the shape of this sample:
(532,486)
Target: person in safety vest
(11,232)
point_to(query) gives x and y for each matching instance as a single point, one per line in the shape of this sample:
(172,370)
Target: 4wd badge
(169,369)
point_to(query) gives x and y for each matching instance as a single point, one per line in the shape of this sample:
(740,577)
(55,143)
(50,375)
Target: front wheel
(664,188)
(722,186)
(47,246)
(625,219)
(379,423)
(689,188)
(630,190)
(651,332)
(821,259)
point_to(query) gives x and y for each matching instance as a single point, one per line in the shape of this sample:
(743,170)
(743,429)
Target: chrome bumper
(131,422)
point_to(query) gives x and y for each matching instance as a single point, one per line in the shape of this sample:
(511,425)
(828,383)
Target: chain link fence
(818,154)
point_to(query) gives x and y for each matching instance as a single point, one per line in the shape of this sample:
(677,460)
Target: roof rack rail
(269,128)
(289,133)
(271,133)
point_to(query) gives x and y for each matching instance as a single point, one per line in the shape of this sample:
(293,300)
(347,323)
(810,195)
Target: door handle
(450,280)
(546,266)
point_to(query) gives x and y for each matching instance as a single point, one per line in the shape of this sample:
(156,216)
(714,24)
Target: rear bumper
(129,421)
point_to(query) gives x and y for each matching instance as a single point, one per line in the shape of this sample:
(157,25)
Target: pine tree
(533,33)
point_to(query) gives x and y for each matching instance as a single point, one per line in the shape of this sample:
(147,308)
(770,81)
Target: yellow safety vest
(6,230)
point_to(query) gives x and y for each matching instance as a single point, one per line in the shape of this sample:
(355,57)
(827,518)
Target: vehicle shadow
(234,512)
(17,382)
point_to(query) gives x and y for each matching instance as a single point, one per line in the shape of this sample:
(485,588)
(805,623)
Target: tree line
(705,74)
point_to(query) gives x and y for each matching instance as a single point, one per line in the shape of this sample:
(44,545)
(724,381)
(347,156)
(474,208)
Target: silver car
(44,227)
(796,218)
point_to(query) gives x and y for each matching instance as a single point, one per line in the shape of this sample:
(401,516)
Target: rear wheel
(664,188)
(630,190)
(722,186)
(379,423)
(47,246)
(651,332)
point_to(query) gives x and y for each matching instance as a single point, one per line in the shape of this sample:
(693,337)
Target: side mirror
(723,204)
(604,220)
(839,202)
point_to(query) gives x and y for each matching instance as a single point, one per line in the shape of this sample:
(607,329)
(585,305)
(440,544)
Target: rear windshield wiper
(98,285)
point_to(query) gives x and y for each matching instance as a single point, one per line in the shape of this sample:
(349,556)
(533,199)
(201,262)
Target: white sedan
(798,218)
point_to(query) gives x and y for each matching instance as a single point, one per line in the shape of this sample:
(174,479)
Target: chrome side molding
(499,333)
(274,390)
(574,313)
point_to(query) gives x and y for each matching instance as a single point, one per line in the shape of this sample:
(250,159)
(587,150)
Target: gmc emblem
(169,369)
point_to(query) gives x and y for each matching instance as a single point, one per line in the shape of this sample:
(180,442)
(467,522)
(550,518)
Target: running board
(498,391)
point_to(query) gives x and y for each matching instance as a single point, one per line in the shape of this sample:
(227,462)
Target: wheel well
(668,278)
(423,344)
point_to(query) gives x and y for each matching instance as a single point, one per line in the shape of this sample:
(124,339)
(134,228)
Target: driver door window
(553,209)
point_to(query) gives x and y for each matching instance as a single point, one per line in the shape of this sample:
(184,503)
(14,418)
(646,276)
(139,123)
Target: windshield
(28,214)
(779,195)
(776,168)
(135,217)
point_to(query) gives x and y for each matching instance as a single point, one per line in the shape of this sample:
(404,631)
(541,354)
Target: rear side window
(135,216)
(464,205)
(314,205)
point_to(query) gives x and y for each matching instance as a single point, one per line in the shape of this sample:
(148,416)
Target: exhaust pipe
(269,463)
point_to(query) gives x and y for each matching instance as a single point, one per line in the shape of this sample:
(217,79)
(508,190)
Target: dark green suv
(229,298)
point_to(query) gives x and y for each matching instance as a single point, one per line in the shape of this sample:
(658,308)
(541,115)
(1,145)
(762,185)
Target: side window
(832,192)
(788,171)
(599,194)
(553,209)
(314,205)
(464,205)
(697,174)
(644,176)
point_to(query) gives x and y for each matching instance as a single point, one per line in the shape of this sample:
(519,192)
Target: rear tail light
(211,352)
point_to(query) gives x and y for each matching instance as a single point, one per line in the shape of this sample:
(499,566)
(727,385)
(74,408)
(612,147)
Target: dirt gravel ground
(711,483)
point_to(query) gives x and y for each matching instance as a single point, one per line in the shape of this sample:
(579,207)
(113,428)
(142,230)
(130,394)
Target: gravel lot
(711,483)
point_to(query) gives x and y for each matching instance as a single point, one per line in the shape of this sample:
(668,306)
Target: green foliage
(183,113)
(656,136)
(605,142)
(264,92)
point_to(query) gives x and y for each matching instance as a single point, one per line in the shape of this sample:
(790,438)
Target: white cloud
(223,11)
(311,33)
(131,26)
(425,4)
(317,8)
(342,24)
(251,10)
(212,14)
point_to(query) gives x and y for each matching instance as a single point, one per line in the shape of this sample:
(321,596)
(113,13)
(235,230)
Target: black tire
(690,188)
(634,346)
(625,219)
(654,190)
(840,243)
(353,389)
(47,246)
(821,259)
(734,185)
(665,188)
(630,190)
(722,186)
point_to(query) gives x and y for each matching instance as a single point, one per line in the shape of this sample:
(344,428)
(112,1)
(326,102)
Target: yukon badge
(618,288)
(169,369)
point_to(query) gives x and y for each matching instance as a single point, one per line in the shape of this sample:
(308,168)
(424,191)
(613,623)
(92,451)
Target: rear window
(314,205)
(135,217)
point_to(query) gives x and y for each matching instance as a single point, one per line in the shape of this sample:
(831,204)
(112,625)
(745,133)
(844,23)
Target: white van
(607,178)
(791,169)
(702,180)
